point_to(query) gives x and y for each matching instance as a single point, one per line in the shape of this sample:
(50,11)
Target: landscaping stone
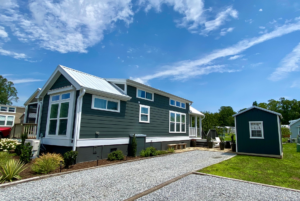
(198,187)
(116,182)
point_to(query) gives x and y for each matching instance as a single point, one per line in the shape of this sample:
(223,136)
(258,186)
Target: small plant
(149,151)
(222,139)
(11,170)
(18,149)
(284,140)
(46,163)
(285,132)
(133,146)
(8,144)
(171,150)
(161,152)
(70,158)
(232,138)
(115,155)
(24,136)
(26,153)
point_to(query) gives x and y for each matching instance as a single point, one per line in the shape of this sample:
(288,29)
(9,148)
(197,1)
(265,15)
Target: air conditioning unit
(35,146)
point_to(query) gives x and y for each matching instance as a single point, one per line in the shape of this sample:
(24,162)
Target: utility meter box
(35,146)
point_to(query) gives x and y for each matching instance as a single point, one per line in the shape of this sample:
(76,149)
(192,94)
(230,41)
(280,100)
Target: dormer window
(144,95)
(177,104)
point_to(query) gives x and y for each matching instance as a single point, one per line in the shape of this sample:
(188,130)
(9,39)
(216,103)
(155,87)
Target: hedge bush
(26,153)
(70,158)
(8,144)
(115,155)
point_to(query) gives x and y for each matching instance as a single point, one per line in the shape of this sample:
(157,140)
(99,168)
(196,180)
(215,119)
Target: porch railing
(19,129)
(193,132)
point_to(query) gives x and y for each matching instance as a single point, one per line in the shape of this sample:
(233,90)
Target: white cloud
(262,27)
(249,21)
(296,84)
(103,46)
(67,25)
(27,80)
(226,30)
(3,33)
(12,54)
(260,10)
(236,57)
(289,64)
(257,64)
(194,14)
(184,69)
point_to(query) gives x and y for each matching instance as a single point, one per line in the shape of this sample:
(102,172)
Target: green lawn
(280,172)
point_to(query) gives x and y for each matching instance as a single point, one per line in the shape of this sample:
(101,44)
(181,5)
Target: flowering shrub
(8,144)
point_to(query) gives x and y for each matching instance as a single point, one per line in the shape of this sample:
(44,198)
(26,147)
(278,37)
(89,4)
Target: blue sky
(215,53)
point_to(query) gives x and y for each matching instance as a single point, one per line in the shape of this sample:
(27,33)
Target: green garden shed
(258,132)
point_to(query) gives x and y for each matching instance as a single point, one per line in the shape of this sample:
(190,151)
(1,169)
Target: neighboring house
(258,132)
(9,116)
(95,116)
(31,108)
(294,128)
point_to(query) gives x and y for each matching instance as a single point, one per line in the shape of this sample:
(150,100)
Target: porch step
(201,144)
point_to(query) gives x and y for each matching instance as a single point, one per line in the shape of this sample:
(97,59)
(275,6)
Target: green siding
(61,82)
(269,145)
(294,130)
(114,124)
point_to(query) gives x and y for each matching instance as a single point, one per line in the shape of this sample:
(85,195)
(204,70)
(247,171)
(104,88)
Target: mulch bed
(28,173)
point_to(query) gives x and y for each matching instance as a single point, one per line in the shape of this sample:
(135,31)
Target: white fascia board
(55,75)
(60,90)
(116,81)
(32,96)
(250,108)
(157,91)
(108,95)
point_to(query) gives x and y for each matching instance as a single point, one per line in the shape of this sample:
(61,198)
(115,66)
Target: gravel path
(116,182)
(197,187)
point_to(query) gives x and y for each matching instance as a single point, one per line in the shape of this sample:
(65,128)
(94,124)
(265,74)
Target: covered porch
(195,128)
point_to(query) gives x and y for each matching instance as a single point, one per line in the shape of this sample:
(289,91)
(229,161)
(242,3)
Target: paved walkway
(199,187)
(116,182)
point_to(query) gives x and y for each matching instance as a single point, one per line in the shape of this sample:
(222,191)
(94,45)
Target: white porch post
(196,119)
(200,129)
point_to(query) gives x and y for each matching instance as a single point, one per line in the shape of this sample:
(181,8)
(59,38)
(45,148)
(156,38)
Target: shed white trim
(250,108)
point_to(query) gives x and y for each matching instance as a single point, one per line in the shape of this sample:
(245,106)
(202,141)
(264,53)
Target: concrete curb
(244,181)
(90,168)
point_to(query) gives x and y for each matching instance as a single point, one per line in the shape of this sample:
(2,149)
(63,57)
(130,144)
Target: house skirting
(264,155)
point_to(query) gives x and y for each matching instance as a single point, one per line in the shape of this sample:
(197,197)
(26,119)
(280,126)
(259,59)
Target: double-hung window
(256,129)
(144,114)
(59,114)
(101,103)
(7,109)
(144,95)
(6,120)
(177,122)
(177,103)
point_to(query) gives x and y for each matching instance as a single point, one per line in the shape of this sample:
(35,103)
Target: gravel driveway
(198,187)
(116,182)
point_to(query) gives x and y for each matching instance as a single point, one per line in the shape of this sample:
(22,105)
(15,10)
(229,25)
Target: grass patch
(279,172)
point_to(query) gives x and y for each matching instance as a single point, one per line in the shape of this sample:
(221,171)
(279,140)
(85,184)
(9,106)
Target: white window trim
(5,121)
(262,131)
(8,109)
(176,122)
(137,90)
(175,103)
(107,99)
(140,114)
(70,118)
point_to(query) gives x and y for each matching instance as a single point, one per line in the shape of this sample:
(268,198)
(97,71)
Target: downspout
(40,117)
(78,118)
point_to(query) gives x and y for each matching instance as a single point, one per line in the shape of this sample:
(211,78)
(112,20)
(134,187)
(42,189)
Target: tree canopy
(8,92)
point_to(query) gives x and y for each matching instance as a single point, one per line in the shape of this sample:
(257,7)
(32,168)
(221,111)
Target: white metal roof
(90,81)
(195,112)
(293,122)
(250,108)
(81,80)
(32,96)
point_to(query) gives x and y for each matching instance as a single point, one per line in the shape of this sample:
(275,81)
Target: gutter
(40,103)
(78,118)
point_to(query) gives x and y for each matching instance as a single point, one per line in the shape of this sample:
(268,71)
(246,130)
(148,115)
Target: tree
(211,120)
(225,116)
(243,109)
(254,103)
(8,92)
(263,105)
(285,132)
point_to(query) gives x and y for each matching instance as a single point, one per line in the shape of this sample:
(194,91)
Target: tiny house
(295,129)
(258,132)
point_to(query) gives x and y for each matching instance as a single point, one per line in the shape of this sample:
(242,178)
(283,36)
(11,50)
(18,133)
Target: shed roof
(32,96)
(255,107)
(294,121)
(195,112)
